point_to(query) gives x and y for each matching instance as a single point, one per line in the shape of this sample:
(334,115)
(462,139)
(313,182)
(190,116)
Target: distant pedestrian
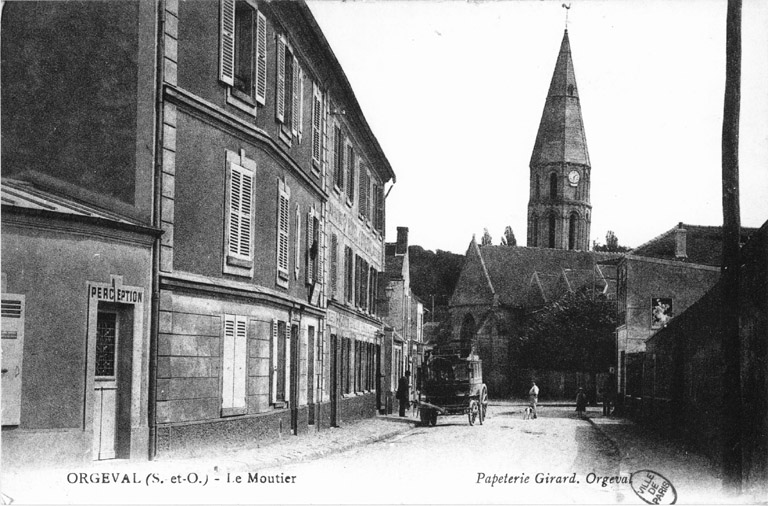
(403,392)
(609,393)
(581,403)
(533,396)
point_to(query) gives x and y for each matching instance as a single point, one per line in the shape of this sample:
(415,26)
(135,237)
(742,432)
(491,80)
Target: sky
(454,92)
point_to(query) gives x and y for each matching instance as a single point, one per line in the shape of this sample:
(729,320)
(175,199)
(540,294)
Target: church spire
(559,210)
(561,131)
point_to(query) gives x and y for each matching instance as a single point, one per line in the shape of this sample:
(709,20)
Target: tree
(611,244)
(508,239)
(486,240)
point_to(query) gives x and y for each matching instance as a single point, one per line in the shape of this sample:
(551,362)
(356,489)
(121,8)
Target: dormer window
(570,90)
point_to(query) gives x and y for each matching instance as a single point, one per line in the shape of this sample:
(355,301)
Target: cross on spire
(567,9)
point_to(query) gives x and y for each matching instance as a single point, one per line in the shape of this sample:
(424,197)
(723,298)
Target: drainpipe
(155,312)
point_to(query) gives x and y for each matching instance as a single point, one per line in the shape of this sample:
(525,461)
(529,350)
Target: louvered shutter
(283,229)
(294,102)
(13,316)
(351,173)
(316,132)
(273,384)
(297,249)
(298,98)
(228,366)
(287,361)
(334,265)
(240,361)
(240,212)
(361,191)
(368,203)
(280,100)
(310,241)
(261,58)
(227,42)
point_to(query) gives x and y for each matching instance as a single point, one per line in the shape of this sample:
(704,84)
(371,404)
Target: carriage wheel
(483,405)
(474,411)
(433,417)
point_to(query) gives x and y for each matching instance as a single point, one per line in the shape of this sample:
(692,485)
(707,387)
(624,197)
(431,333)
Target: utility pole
(731,344)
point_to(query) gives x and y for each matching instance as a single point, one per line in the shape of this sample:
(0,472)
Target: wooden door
(105,383)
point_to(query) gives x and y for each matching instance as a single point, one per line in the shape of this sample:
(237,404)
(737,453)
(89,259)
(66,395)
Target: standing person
(609,393)
(581,403)
(403,390)
(533,396)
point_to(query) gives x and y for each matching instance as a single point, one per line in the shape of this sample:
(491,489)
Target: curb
(614,444)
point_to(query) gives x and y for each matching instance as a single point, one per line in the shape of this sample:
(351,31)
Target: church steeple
(559,212)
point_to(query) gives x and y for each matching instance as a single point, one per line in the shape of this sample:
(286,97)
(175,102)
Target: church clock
(573,177)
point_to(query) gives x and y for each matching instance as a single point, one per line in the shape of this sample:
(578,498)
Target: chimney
(402,241)
(680,236)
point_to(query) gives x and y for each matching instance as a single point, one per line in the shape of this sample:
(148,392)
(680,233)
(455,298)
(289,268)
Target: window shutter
(13,316)
(283,228)
(240,358)
(297,249)
(334,264)
(368,203)
(316,130)
(361,191)
(288,360)
(280,100)
(261,58)
(295,98)
(240,212)
(310,243)
(228,366)
(273,389)
(351,173)
(300,101)
(227,42)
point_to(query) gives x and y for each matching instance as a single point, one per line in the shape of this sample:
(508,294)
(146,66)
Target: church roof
(561,135)
(526,277)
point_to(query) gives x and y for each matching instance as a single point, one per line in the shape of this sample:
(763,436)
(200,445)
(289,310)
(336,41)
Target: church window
(536,191)
(570,90)
(552,222)
(572,231)
(553,186)
(467,329)
(535,238)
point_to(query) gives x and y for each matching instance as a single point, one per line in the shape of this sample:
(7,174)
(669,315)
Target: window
(243,51)
(279,351)
(552,223)
(313,236)
(537,188)
(553,186)
(378,194)
(535,238)
(288,106)
(311,370)
(372,287)
(349,276)
(234,366)
(359,366)
(338,158)
(365,193)
(297,248)
(13,316)
(283,200)
(572,230)
(318,121)
(334,274)
(238,247)
(351,162)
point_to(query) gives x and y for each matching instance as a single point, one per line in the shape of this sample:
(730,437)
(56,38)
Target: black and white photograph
(353,251)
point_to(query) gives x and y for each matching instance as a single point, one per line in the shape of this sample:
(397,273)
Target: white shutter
(283,228)
(310,240)
(297,249)
(240,212)
(240,361)
(228,366)
(288,360)
(261,58)
(13,316)
(295,99)
(301,101)
(361,191)
(227,42)
(316,131)
(280,100)
(273,398)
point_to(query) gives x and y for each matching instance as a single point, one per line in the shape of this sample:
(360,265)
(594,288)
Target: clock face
(573,177)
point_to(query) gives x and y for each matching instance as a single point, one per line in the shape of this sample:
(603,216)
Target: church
(500,286)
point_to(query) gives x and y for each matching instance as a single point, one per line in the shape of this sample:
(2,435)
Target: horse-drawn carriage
(451,383)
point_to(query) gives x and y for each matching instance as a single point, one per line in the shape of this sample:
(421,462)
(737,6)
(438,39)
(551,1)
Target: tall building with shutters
(559,209)
(272,208)
(215,157)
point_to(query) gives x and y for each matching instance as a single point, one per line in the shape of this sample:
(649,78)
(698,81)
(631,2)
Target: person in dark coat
(581,402)
(402,392)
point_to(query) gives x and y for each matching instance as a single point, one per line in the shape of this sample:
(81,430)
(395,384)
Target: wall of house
(51,264)
(78,95)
